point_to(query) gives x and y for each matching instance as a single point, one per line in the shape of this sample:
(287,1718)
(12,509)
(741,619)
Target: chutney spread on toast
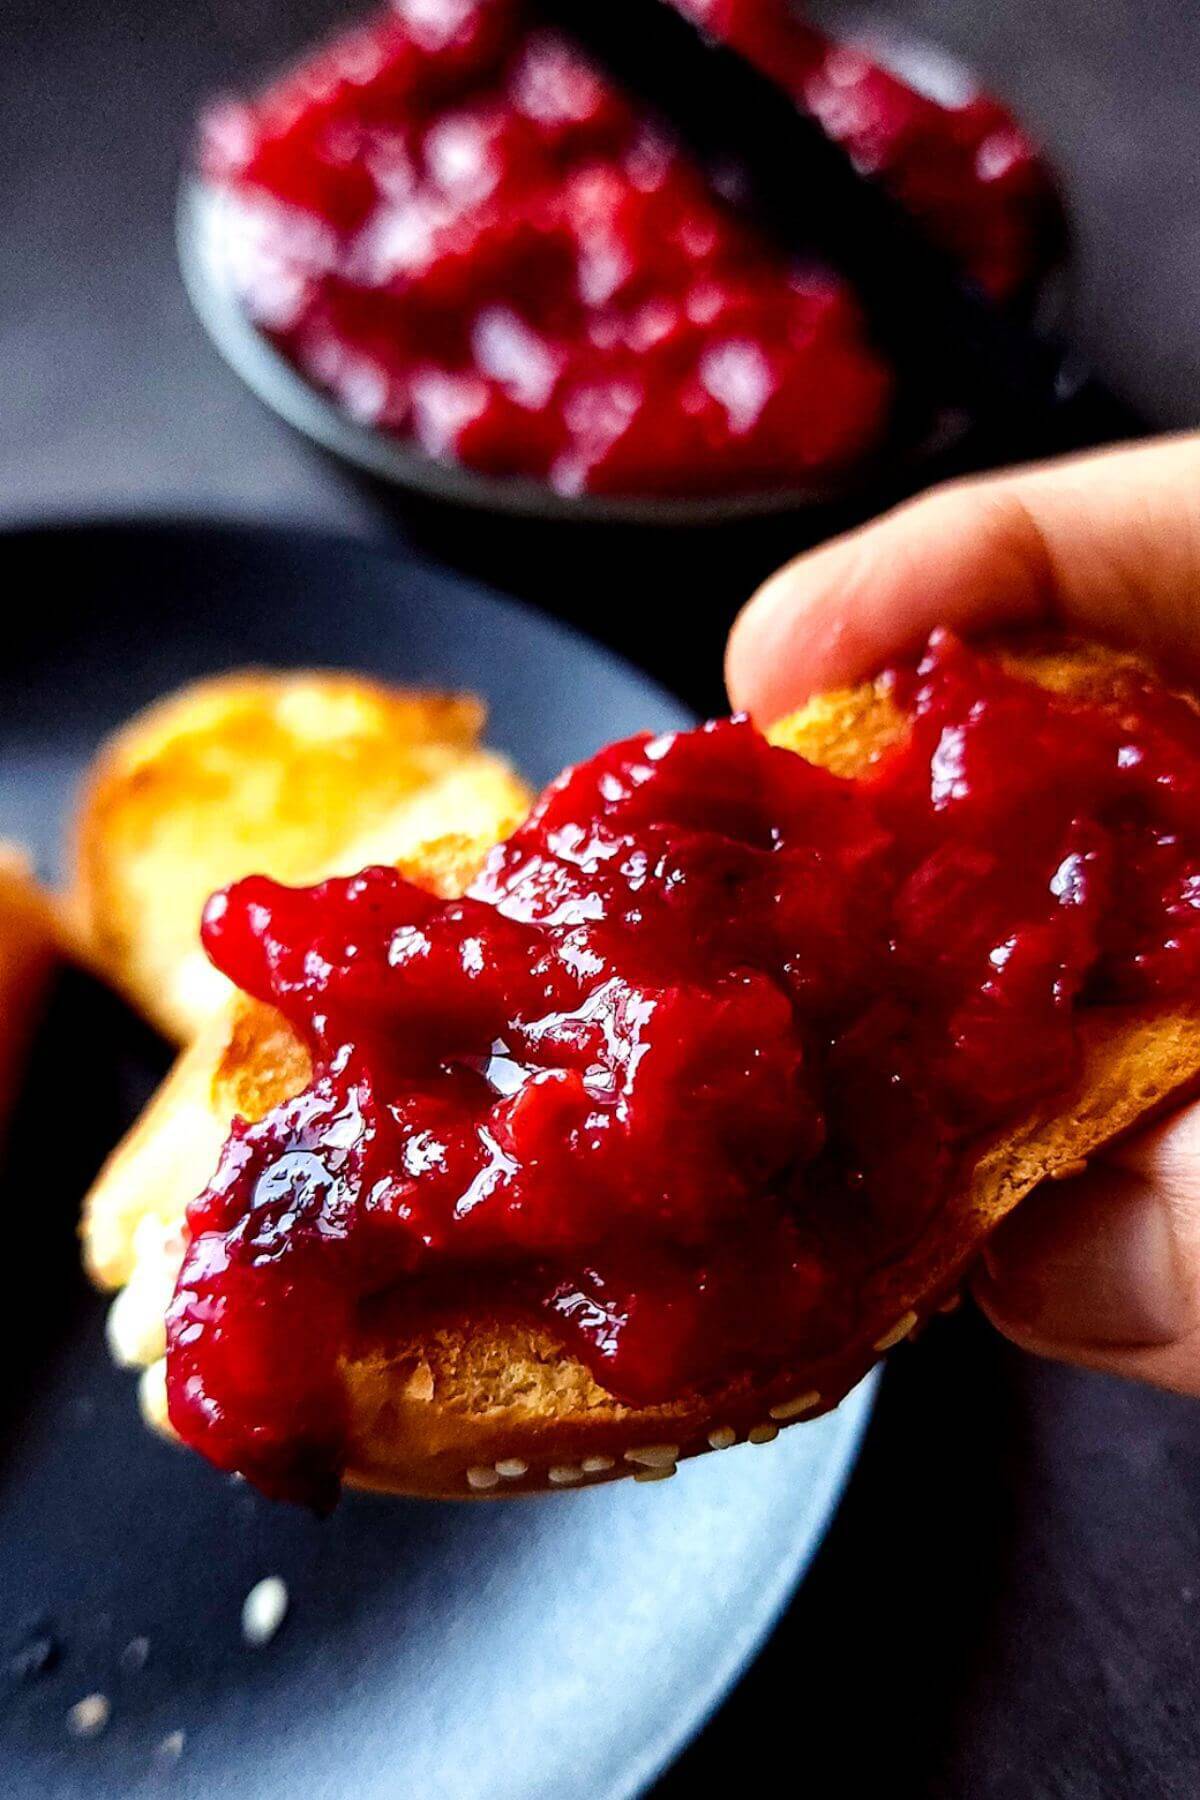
(712,1038)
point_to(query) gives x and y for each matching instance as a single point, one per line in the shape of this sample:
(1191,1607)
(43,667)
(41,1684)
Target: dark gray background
(1008,1605)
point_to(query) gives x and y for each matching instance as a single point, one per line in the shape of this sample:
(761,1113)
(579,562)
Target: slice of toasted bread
(296,775)
(493,1405)
(28,953)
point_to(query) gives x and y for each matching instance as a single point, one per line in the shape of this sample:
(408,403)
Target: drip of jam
(702,1046)
(449,220)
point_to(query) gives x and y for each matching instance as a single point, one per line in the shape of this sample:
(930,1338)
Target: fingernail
(1095,1261)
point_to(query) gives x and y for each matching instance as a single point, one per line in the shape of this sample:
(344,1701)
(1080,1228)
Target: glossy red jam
(703,1044)
(449,221)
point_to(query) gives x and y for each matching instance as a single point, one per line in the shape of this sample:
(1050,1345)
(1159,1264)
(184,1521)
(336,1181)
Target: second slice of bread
(299,775)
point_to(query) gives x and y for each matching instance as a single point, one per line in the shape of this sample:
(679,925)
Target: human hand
(1103,1270)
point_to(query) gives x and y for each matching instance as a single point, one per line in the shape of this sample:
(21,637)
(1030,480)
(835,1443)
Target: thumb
(1104,1270)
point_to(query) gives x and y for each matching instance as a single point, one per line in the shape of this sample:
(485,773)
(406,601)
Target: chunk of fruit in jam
(707,1042)
(450,160)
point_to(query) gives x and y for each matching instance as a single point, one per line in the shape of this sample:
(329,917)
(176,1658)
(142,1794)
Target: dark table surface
(1009,1603)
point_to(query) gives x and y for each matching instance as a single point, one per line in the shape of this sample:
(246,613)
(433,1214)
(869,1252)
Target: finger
(962,557)
(1108,544)
(1168,1153)
(1105,1270)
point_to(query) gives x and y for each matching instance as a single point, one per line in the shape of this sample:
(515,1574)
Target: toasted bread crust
(298,775)
(495,1405)
(28,953)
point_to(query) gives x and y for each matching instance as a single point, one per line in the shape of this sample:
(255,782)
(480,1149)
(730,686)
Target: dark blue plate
(561,1647)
